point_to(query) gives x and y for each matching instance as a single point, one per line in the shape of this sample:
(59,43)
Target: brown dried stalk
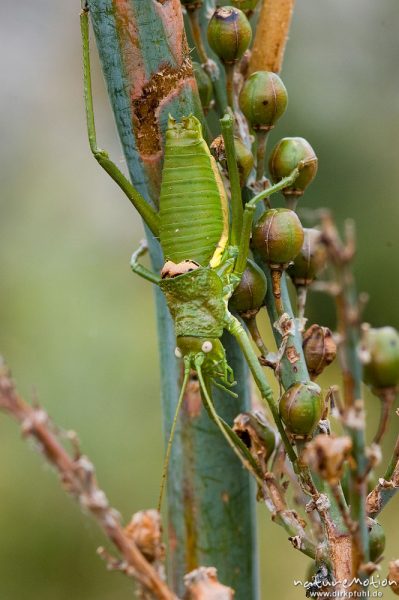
(387,397)
(393,576)
(287,518)
(387,486)
(77,475)
(271,35)
(340,255)
(257,434)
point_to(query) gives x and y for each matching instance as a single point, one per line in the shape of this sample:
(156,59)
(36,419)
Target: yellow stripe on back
(224,238)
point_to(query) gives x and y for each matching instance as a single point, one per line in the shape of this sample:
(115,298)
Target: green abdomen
(193,208)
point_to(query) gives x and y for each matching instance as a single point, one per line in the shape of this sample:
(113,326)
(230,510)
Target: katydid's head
(208,353)
(211,349)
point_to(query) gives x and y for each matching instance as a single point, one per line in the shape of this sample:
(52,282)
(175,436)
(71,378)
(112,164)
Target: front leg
(148,214)
(140,269)
(249,211)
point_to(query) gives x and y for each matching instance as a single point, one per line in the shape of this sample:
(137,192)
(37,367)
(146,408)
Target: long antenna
(172,432)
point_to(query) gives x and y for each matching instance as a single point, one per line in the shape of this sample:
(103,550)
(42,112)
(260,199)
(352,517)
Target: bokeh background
(78,328)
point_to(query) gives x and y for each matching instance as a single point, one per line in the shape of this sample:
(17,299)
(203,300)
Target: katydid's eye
(178,353)
(206,347)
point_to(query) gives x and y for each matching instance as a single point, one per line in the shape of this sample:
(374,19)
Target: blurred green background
(78,329)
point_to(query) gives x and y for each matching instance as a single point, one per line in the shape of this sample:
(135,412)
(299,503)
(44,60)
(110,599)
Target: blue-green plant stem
(290,372)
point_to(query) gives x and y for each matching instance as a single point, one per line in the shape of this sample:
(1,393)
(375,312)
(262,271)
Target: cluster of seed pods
(278,236)
(279,240)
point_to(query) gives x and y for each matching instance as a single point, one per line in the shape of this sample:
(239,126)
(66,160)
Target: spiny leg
(235,443)
(172,432)
(140,269)
(148,214)
(237,330)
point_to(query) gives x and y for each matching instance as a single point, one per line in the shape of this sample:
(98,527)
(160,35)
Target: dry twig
(271,35)
(340,255)
(287,518)
(77,475)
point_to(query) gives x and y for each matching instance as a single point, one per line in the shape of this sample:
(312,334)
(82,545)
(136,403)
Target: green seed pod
(376,539)
(204,85)
(263,99)
(278,236)
(245,5)
(301,408)
(229,33)
(250,293)
(244,156)
(285,156)
(382,347)
(319,349)
(311,259)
